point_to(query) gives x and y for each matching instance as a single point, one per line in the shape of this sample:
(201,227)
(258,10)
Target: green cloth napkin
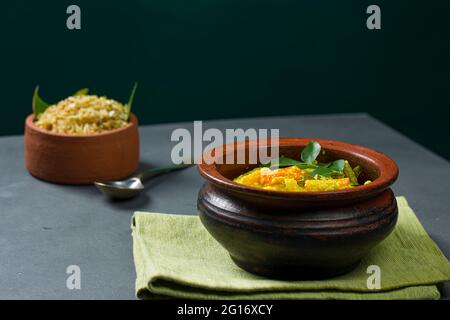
(175,256)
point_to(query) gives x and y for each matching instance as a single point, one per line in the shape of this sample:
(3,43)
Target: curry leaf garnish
(82,92)
(311,151)
(130,102)
(282,162)
(39,105)
(308,156)
(337,165)
(329,168)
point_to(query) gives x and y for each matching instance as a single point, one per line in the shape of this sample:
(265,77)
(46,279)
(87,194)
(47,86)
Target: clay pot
(299,235)
(81,159)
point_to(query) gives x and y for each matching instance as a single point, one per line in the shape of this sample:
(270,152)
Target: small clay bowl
(81,159)
(298,235)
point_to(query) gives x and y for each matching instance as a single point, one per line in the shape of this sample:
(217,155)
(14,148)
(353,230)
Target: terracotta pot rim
(29,122)
(387,168)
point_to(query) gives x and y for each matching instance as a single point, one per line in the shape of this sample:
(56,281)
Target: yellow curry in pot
(307,175)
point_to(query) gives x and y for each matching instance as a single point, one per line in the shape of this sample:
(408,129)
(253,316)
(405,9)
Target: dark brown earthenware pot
(299,235)
(81,159)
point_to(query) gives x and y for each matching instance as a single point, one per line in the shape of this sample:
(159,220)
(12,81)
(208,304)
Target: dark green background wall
(204,59)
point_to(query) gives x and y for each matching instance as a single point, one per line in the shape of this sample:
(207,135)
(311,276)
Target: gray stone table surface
(47,227)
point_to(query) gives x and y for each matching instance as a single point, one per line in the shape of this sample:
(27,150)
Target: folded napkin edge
(185,292)
(156,286)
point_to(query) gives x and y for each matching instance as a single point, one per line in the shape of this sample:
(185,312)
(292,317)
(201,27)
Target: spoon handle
(161,170)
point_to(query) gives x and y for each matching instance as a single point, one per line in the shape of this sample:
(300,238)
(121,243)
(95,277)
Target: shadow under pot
(299,235)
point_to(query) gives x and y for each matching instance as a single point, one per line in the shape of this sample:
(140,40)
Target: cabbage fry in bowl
(81,114)
(308,175)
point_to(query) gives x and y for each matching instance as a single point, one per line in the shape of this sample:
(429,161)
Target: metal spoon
(131,187)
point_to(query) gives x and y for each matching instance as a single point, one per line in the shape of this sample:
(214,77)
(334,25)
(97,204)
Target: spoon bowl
(124,189)
(131,187)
